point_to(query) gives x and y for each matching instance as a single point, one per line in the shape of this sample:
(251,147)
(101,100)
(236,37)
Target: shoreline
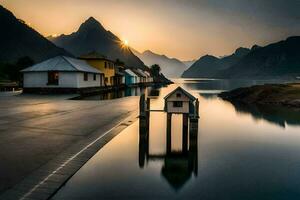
(284,95)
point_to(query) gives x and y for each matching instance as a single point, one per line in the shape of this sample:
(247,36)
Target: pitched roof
(62,63)
(128,71)
(142,72)
(183,91)
(138,73)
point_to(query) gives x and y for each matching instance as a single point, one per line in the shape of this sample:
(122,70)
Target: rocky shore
(287,95)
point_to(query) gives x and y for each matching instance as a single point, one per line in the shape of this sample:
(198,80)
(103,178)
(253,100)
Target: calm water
(203,86)
(241,152)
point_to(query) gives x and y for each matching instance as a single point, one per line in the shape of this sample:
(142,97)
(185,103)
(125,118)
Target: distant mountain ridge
(188,63)
(209,66)
(93,37)
(170,67)
(18,40)
(276,60)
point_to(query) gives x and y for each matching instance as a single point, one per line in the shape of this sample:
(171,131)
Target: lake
(241,152)
(200,85)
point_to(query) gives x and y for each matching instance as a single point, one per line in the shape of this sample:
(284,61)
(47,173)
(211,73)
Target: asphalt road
(35,129)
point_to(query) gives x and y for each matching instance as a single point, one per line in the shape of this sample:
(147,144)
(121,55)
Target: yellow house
(103,64)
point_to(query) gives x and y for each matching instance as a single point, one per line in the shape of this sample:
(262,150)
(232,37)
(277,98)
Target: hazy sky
(183,29)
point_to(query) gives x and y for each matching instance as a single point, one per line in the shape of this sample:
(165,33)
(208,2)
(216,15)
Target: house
(149,78)
(130,77)
(61,74)
(119,78)
(103,64)
(141,76)
(179,101)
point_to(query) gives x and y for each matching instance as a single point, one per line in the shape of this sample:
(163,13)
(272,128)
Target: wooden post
(143,146)
(148,104)
(185,127)
(142,105)
(194,126)
(193,146)
(169,138)
(197,108)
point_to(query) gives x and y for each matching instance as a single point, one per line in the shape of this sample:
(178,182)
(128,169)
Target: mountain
(189,63)
(277,60)
(209,66)
(19,40)
(170,67)
(92,37)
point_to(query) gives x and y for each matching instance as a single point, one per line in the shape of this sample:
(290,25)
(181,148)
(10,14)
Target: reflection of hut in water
(179,165)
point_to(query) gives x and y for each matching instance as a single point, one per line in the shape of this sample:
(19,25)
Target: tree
(119,62)
(13,70)
(155,70)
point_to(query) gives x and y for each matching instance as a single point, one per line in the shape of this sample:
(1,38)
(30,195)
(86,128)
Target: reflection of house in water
(179,165)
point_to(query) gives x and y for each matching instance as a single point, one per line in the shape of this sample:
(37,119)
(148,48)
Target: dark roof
(184,92)
(94,56)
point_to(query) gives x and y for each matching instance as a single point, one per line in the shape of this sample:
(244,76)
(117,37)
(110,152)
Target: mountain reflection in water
(278,115)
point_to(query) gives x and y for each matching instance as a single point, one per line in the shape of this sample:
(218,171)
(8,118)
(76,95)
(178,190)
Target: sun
(125,42)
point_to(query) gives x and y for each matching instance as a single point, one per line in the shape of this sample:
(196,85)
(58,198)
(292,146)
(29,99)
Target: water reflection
(234,156)
(126,92)
(278,115)
(179,163)
(218,85)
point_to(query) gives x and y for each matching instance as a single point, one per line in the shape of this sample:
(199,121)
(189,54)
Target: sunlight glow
(125,42)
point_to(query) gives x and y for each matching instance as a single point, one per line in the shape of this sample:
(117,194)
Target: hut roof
(62,63)
(183,91)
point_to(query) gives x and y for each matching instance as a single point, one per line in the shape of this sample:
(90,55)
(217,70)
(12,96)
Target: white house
(179,101)
(61,74)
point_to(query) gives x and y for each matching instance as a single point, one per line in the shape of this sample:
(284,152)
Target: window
(177,104)
(53,78)
(178,95)
(95,77)
(105,64)
(85,76)
(111,65)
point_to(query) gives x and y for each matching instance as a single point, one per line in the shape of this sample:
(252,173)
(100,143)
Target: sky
(184,29)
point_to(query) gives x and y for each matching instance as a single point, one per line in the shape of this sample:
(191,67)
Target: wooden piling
(185,127)
(169,138)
